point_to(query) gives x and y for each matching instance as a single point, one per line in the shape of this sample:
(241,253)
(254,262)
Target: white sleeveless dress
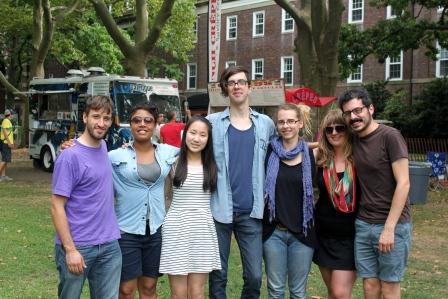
(189,242)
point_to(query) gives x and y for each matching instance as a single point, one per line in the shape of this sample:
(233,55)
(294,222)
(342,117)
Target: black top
(289,202)
(329,222)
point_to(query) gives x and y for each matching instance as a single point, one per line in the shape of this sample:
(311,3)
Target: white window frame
(284,19)
(228,28)
(439,48)
(254,61)
(388,65)
(230,62)
(389,14)
(350,77)
(254,23)
(283,70)
(350,12)
(190,76)
(195,30)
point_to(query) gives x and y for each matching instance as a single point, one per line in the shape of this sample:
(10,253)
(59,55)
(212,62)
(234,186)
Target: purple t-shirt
(83,175)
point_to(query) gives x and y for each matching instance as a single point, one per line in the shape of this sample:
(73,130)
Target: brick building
(259,35)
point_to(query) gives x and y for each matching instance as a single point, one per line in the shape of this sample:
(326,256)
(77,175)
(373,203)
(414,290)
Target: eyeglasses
(337,128)
(138,120)
(289,122)
(240,82)
(356,111)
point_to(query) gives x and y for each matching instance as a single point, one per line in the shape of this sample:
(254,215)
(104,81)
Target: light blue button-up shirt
(133,196)
(221,202)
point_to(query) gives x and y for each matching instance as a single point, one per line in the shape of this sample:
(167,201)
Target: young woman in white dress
(189,243)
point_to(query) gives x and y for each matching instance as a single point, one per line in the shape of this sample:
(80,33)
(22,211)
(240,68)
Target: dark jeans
(248,233)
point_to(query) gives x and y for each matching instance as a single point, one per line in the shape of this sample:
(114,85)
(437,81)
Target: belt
(281,227)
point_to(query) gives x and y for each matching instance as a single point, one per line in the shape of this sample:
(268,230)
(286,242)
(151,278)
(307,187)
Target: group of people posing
(234,174)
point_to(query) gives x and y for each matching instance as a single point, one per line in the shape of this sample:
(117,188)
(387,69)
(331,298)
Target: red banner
(307,96)
(214,40)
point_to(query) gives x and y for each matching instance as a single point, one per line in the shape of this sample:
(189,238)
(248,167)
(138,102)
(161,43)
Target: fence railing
(419,147)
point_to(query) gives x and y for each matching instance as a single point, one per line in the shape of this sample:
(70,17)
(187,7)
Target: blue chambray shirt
(133,196)
(221,202)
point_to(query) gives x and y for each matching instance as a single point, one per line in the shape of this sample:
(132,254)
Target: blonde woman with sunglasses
(336,207)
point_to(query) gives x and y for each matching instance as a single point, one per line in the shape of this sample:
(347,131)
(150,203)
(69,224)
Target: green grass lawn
(27,267)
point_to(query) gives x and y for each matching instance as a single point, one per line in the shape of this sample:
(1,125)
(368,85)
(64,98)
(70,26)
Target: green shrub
(379,95)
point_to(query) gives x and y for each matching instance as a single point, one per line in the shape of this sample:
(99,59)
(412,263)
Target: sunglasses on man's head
(138,120)
(337,128)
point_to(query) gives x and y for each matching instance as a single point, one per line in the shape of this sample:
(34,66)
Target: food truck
(57,105)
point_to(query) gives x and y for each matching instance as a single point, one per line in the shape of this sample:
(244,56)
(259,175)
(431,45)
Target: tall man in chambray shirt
(240,140)
(82,209)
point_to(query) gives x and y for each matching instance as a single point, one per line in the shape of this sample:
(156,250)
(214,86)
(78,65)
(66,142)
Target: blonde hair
(325,151)
(303,114)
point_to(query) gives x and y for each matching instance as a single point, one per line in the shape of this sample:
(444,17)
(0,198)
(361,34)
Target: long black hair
(207,156)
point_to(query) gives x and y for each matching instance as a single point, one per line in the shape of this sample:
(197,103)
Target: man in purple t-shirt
(82,209)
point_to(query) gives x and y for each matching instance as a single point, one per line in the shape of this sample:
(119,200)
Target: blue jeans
(103,272)
(285,256)
(248,233)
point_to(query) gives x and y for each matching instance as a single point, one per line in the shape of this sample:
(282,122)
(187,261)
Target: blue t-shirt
(241,156)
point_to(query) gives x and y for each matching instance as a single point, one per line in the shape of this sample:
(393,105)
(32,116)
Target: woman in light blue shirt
(139,173)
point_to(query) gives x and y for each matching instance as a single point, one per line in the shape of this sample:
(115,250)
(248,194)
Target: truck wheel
(47,159)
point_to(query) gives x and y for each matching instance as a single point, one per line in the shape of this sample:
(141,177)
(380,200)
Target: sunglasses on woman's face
(337,128)
(137,120)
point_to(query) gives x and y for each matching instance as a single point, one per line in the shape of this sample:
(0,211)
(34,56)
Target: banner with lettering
(214,38)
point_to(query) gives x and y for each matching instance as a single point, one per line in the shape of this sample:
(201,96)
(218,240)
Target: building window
(258,23)
(390,12)
(230,63)
(287,22)
(191,75)
(195,30)
(287,70)
(356,11)
(442,62)
(231,27)
(257,69)
(394,67)
(356,75)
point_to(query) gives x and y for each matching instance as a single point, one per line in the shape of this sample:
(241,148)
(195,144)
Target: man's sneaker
(5,178)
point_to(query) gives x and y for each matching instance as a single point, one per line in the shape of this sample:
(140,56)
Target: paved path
(24,171)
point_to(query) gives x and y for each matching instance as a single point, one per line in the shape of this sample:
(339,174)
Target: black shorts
(6,152)
(141,255)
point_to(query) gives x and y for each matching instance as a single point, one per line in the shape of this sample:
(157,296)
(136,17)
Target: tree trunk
(136,56)
(318,25)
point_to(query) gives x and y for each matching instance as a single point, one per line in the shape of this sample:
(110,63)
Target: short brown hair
(99,102)
(228,72)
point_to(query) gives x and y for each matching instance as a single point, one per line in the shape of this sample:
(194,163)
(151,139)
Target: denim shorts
(370,262)
(6,152)
(141,255)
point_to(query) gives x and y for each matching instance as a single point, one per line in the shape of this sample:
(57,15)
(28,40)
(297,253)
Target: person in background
(170,133)
(160,122)
(82,209)
(288,229)
(189,243)
(139,173)
(6,144)
(336,207)
(240,139)
(383,226)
